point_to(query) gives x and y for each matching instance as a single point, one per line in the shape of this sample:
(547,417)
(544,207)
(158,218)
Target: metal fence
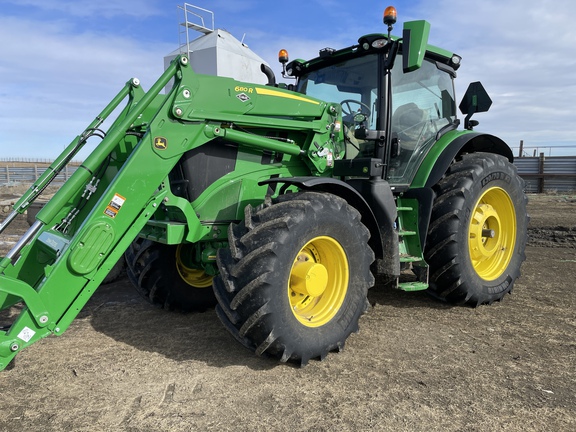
(548,173)
(29,173)
(541,173)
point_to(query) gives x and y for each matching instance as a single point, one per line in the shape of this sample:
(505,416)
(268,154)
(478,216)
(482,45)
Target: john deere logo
(160,143)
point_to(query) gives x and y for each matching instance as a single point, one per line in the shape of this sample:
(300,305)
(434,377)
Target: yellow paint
(491,255)
(318,281)
(194,277)
(270,92)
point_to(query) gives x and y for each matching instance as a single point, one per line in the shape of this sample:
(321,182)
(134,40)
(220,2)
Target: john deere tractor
(278,203)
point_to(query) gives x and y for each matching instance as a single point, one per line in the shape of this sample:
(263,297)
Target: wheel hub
(318,281)
(194,277)
(309,278)
(484,232)
(492,233)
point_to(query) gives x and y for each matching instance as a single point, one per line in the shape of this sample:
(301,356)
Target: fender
(437,162)
(452,144)
(353,197)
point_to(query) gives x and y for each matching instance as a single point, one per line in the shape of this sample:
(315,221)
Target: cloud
(59,69)
(523,52)
(94,8)
(53,86)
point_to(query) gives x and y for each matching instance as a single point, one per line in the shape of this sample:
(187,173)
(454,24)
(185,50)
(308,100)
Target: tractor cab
(422,107)
(397,96)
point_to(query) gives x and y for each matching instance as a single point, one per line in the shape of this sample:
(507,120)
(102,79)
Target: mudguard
(449,146)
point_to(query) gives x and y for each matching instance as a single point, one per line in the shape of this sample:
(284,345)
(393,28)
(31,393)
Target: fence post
(7,174)
(541,173)
(521,149)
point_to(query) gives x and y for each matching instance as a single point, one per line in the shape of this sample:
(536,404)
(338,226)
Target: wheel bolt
(488,233)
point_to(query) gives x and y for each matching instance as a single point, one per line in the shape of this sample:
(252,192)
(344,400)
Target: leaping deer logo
(160,143)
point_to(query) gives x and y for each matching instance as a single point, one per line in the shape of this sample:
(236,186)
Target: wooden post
(521,150)
(7,174)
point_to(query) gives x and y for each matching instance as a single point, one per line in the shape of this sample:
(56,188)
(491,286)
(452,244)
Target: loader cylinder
(18,246)
(24,239)
(253,140)
(8,219)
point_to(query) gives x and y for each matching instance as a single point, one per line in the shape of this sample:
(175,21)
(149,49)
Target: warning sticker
(26,334)
(115,205)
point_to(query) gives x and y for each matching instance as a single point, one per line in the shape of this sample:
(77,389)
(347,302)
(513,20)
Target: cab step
(405,258)
(412,286)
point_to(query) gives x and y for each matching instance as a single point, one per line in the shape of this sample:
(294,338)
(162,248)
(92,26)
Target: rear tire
(294,282)
(478,230)
(159,276)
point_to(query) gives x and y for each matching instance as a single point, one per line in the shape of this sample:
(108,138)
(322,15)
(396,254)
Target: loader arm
(83,231)
(126,181)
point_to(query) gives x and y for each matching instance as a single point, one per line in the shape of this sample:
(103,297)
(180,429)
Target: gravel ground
(416,364)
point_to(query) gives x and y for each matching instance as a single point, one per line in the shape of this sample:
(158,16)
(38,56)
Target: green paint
(181,167)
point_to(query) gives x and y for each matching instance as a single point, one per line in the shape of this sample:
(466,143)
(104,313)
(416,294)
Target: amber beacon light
(283,56)
(390,15)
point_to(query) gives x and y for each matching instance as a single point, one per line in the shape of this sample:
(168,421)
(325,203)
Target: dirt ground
(415,365)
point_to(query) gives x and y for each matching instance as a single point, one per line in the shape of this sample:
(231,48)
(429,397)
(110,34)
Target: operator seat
(409,122)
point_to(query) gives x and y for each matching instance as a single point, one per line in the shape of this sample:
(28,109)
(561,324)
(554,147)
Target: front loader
(278,203)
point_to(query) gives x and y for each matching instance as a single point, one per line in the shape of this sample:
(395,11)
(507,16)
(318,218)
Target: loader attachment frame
(80,234)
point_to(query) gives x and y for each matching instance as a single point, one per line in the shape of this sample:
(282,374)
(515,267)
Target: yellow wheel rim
(318,281)
(196,278)
(492,234)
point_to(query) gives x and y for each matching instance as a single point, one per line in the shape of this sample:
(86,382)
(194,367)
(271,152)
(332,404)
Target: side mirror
(414,42)
(475,100)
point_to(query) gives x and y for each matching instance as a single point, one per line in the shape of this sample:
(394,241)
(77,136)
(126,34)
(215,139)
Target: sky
(62,61)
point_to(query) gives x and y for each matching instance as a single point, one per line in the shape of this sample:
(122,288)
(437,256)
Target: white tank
(215,51)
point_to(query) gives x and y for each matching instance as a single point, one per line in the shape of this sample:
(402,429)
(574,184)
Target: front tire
(478,230)
(160,275)
(116,271)
(294,282)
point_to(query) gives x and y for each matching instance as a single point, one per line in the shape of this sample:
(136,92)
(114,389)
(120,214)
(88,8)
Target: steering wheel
(348,111)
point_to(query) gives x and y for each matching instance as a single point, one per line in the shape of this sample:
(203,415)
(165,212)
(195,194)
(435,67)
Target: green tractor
(278,203)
